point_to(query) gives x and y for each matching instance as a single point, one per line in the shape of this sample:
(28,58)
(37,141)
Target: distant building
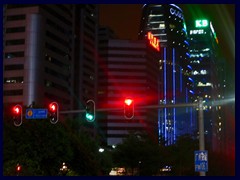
(50,55)
(127,69)
(85,48)
(209,79)
(36,49)
(166,22)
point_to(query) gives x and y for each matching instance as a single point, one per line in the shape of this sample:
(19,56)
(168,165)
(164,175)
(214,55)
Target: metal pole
(200,117)
(139,107)
(201,130)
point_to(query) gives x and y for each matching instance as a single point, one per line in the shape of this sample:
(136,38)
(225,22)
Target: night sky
(124,19)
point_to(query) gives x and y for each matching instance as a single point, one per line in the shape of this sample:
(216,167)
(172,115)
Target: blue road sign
(36,113)
(201,161)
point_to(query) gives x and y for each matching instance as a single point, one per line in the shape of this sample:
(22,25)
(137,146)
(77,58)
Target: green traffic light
(89,117)
(90,111)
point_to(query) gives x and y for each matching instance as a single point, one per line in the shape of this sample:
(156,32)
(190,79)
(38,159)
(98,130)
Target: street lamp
(101,150)
(64,169)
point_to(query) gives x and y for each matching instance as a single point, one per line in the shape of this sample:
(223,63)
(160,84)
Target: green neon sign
(201,23)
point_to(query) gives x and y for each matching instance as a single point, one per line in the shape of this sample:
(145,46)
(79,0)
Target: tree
(138,152)
(38,141)
(180,156)
(41,148)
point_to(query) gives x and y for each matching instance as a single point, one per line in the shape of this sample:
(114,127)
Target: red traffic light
(128,108)
(17,109)
(53,112)
(128,101)
(53,107)
(17,115)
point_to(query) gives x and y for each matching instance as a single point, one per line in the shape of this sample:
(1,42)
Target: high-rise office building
(209,78)
(50,54)
(126,69)
(85,48)
(166,22)
(36,44)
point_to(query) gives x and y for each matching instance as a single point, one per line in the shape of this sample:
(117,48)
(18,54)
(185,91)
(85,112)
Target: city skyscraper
(84,75)
(36,44)
(127,69)
(166,22)
(209,79)
(50,55)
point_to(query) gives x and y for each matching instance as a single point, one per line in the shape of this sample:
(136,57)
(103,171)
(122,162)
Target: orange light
(153,41)
(128,101)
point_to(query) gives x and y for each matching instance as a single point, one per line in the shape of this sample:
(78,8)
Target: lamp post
(64,169)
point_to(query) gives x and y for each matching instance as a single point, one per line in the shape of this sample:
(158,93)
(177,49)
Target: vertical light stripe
(174,94)
(165,90)
(180,75)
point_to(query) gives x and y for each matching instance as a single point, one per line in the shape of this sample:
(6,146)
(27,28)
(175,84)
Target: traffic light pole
(201,130)
(200,118)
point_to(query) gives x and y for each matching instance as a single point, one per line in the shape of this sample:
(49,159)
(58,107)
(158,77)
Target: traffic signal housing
(17,115)
(128,108)
(53,112)
(90,111)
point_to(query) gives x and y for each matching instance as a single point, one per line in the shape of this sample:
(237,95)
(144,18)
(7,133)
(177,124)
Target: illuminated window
(172,26)
(195,72)
(161,26)
(200,84)
(13,80)
(203,72)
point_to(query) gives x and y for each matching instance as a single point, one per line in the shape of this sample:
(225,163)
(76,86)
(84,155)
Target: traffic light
(128,108)
(18,169)
(90,111)
(53,112)
(17,115)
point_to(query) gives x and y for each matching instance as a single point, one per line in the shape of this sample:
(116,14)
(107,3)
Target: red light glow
(53,107)
(18,168)
(128,102)
(17,109)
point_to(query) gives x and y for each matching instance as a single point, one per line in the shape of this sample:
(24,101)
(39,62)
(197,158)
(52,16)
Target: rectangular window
(15,30)
(56,38)
(9,55)
(17,92)
(10,80)
(16,17)
(55,49)
(13,67)
(15,42)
